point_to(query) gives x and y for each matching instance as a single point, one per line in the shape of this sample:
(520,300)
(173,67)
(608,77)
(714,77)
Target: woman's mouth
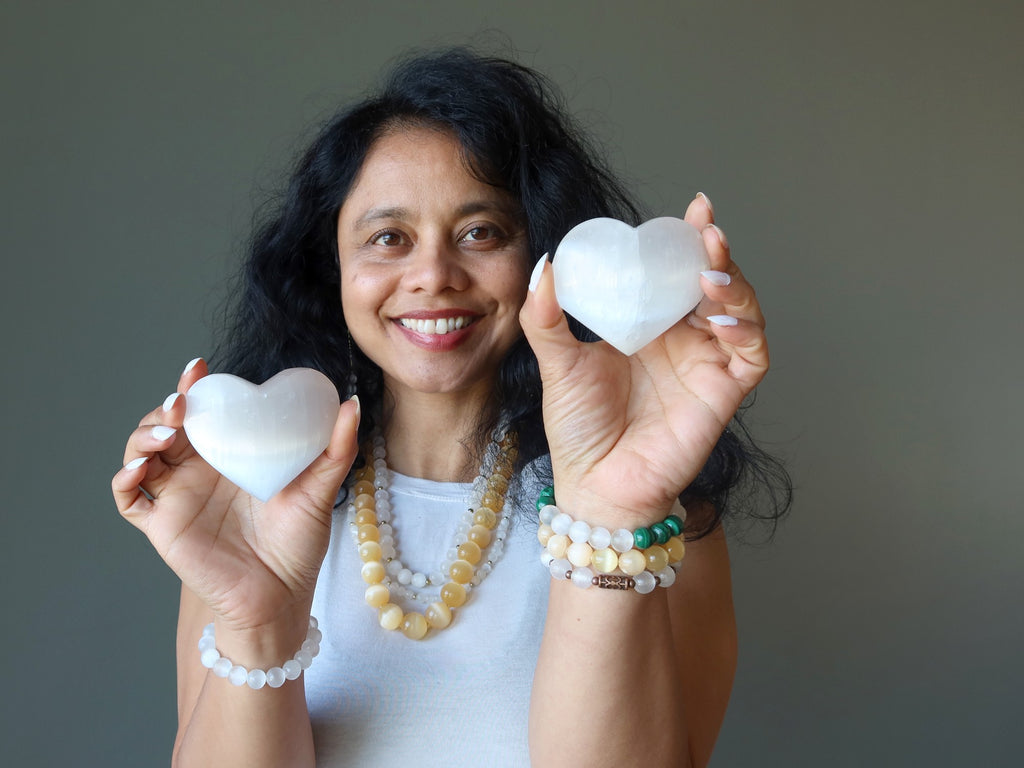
(436,326)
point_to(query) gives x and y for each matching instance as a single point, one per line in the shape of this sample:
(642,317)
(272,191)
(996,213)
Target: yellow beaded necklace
(473,548)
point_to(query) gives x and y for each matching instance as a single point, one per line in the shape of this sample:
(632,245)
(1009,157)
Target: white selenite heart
(630,285)
(261,437)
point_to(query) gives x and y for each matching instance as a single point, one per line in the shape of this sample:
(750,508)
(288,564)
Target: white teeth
(440,326)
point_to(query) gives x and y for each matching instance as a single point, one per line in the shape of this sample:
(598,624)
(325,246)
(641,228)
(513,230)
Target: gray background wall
(866,160)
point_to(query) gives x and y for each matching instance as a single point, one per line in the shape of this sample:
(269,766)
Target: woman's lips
(437,330)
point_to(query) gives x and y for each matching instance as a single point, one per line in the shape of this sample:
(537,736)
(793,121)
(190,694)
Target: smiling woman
(401,264)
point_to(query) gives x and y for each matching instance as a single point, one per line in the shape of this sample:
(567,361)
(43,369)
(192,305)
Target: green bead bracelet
(643,537)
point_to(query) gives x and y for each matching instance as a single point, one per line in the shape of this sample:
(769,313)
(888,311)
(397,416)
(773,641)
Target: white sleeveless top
(461,696)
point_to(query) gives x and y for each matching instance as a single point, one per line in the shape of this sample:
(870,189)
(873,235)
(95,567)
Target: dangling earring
(353,380)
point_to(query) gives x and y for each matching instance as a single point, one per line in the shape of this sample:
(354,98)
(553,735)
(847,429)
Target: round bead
(256,679)
(275,677)
(660,532)
(365,501)
(544,532)
(389,615)
(622,540)
(479,535)
(546,558)
(469,552)
(222,667)
(674,523)
(642,538)
(604,560)
(366,517)
(209,657)
(373,572)
(414,626)
(314,634)
(367,533)
(633,562)
(453,595)
(438,615)
(238,675)
(561,524)
(405,577)
(461,572)
(657,558)
(485,517)
(579,531)
(666,577)
(376,595)
(676,549)
(492,500)
(370,550)
(419,580)
(560,568)
(600,537)
(579,553)
(498,484)
(558,544)
(292,669)
(582,577)
(312,647)
(547,513)
(313,622)
(363,486)
(304,658)
(206,642)
(645,582)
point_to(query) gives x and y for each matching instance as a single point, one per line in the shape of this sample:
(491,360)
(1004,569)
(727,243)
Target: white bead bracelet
(257,678)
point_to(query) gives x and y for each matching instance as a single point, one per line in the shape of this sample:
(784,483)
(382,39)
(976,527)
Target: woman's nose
(435,266)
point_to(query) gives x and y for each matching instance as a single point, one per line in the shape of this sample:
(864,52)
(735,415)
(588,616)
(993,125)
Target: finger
(319,483)
(742,341)
(128,496)
(724,284)
(194,371)
(544,323)
(699,213)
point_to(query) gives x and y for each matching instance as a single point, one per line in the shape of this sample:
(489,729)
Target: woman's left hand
(628,434)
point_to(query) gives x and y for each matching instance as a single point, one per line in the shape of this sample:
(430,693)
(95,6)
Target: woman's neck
(435,436)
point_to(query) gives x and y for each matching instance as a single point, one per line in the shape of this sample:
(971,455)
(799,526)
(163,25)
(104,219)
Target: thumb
(319,483)
(545,326)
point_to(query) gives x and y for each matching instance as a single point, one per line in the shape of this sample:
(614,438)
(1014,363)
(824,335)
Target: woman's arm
(625,678)
(222,724)
(249,568)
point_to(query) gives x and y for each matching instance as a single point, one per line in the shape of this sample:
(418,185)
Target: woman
(425,209)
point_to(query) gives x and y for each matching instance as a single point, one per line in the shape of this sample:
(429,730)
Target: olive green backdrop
(866,160)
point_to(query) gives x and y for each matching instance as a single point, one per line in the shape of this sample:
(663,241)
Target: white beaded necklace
(479,541)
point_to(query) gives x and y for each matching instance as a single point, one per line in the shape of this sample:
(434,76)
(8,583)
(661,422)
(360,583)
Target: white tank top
(461,696)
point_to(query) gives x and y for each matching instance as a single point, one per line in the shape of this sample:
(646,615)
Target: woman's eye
(386,237)
(476,234)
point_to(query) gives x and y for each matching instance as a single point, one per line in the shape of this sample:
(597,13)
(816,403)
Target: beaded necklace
(479,541)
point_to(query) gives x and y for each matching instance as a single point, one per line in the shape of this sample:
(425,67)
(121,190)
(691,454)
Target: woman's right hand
(251,563)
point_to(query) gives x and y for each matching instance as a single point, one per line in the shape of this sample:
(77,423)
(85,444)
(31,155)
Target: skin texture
(420,237)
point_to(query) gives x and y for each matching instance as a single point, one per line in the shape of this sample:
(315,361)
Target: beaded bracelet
(275,677)
(641,538)
(571,547)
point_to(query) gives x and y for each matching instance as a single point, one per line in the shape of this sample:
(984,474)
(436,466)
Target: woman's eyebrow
(377,214)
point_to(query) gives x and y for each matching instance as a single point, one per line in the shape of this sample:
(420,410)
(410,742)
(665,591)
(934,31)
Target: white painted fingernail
(707,201)
(136,463)
(537,272)
(718,231)
(162,433)
(359,407)
(170,401)
(717,278)
(192,364)
(723,320)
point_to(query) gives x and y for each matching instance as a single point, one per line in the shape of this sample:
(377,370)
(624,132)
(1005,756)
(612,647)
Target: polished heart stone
(261,437)
(630,284)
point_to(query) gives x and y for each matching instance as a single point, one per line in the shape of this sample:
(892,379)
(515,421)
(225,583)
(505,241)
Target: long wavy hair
(515,135)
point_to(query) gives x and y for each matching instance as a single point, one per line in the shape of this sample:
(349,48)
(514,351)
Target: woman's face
(433,265)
